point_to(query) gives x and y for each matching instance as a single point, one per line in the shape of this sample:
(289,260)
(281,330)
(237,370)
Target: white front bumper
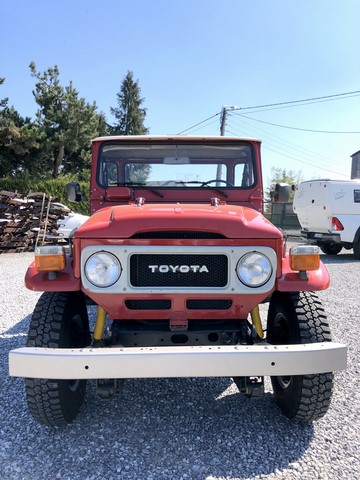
(158,362)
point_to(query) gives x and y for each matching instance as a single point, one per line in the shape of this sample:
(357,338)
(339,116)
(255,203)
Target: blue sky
(192,57)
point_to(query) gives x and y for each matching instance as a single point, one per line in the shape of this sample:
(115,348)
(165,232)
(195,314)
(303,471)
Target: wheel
(59,320)
(331,248)
(356,250)
(227,184)
(295,318)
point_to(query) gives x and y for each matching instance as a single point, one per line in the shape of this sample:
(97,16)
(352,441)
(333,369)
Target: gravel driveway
(182,428)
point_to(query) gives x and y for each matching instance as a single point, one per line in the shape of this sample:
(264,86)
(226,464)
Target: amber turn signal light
(50,258)
(304,258)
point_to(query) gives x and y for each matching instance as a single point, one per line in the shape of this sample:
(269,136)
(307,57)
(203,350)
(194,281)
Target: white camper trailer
(329,214)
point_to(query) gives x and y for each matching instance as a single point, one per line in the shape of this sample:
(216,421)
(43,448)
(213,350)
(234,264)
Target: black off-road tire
(356,250)
(59,320)
(331,248)
(295,318)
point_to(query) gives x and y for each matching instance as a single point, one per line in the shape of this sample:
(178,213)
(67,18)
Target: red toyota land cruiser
(177,256)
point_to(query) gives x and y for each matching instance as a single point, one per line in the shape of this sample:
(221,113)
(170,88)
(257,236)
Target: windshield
(176,165)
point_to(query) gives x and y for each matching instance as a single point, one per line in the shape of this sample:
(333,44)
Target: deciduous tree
(280,175)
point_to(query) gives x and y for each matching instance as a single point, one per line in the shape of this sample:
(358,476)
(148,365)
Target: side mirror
(281,194)
(73,192)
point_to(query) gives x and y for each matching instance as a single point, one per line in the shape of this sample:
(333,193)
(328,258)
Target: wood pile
(28,220)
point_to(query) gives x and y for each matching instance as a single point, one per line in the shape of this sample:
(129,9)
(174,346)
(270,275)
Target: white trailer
(329,214)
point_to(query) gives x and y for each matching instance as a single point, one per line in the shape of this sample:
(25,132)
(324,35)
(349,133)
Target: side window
(244,175)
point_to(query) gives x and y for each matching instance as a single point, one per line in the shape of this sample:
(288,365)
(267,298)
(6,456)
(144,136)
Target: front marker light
(103,269)
(50,258)
(304,258)
(254,269)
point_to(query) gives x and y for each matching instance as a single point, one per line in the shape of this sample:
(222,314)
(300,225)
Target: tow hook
(251,387)
(109,387)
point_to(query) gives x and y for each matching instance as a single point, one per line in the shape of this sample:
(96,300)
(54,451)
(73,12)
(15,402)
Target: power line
(293,157)
(280,107)
(296,128)
(300,101)
(273,138)
(200,123)
(290,148)
(306,163)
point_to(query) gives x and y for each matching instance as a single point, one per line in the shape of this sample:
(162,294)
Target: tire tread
(47,330)
(315,390)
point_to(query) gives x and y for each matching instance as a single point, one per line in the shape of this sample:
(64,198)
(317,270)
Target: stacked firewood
(27,220)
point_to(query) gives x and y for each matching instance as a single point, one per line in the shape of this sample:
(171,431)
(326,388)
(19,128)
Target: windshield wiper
(196,182)
(140,184)
(131,184)
(193,182)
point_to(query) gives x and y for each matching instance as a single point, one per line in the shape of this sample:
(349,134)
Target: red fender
(64,281)
(290,281)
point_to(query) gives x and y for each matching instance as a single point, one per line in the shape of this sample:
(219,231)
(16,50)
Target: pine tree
(70,122)
(3,101)
(20,142)
(129,114)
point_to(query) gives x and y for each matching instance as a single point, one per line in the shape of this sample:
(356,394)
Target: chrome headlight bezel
(254,269)
(103,269)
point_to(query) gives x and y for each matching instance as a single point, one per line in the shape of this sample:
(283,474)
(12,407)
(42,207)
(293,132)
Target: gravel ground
(181,428)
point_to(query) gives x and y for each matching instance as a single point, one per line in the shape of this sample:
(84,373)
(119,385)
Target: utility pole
(223,121)
(224,109)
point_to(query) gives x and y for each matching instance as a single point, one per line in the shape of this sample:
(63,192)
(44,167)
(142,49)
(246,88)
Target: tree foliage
(280,175)
(20,141)
(58,141)
(54,148)
(4,101)
(68,121)
(54,187)
(130,118)
(129,113)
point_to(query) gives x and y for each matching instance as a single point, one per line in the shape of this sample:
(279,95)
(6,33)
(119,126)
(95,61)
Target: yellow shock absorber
(99,324)
(255,318)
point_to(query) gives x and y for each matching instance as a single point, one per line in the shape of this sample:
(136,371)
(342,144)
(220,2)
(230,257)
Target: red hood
(124,221)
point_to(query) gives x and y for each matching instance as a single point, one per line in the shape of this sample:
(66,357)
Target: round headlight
(102,269)
(254,269)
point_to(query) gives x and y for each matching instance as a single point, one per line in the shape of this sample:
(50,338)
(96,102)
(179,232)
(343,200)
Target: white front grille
(197,264)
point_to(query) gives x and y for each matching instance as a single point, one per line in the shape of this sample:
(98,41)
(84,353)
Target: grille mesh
(148,304)
(201,304)
(162,275)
